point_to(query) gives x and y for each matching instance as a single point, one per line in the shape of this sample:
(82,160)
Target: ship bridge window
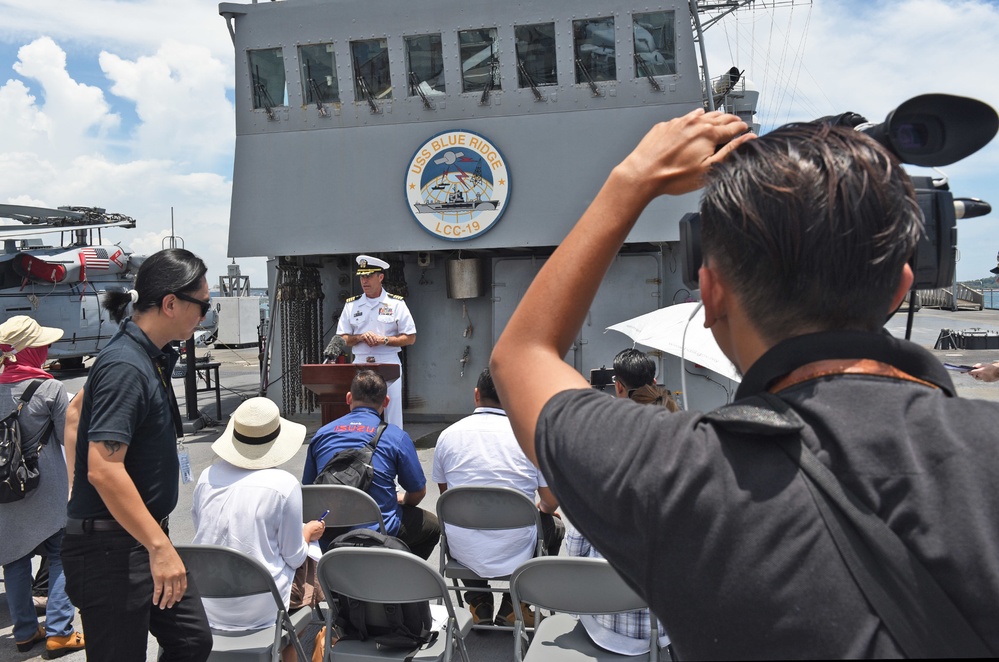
(318,70)
(371,70)
(535,54)
(655,44)
(267,76)
(425,66)
(479,60)
(594,50)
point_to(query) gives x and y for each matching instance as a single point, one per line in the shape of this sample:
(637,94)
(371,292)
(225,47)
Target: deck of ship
(239,377)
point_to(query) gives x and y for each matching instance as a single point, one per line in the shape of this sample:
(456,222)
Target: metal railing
(944,298)
(990,298)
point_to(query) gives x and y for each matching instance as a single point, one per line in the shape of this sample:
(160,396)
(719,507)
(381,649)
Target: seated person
(626,633)
(395,457)
(244,502)
(481,450)
(635,378)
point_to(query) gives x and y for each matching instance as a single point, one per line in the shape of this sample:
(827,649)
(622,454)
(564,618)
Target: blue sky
(128,104)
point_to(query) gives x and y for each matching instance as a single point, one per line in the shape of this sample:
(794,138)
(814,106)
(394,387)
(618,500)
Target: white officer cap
(367,265)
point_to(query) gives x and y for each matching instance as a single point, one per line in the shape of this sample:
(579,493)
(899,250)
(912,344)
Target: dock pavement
(240,380)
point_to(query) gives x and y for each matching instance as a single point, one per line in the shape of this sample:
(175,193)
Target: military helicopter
(61,284)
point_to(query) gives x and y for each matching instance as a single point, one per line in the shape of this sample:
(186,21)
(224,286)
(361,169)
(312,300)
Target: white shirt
(482,450)
(259,513)
(386,315)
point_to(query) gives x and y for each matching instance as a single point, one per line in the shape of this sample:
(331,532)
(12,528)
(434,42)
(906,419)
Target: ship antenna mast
(695,14)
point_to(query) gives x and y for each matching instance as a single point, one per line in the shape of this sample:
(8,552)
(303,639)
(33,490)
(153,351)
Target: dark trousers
(420,529)
(109,581)
(40,586)
(553,531)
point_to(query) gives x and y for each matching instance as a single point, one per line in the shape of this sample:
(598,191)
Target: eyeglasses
(205,305)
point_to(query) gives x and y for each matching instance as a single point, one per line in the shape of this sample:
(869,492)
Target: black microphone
(971,207)
(334,349)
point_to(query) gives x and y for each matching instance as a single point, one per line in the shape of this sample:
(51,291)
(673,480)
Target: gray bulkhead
(321,189)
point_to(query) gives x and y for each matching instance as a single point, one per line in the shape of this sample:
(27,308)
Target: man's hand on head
(674,156)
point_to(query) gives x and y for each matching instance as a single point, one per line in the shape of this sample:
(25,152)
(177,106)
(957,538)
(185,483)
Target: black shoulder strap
(30,391)
(914,608)
(378,435)
(25,398)
(356,616)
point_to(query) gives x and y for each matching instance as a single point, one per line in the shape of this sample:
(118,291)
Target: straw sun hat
(258,438)
(21,332)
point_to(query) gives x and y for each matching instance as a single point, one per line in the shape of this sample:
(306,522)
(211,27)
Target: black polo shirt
(128,398)
(715,528)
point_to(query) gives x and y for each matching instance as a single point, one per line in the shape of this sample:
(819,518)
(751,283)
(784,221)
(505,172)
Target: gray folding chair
(486,509)
(220,572)
(571,585)
(375,574)
(348,506)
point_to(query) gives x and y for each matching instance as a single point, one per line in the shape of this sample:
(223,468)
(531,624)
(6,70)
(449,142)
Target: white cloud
(129,27)
(179,96)
(63,145)
(25,123)
(64,117)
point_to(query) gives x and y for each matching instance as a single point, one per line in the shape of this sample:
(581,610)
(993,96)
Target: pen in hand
(323,516)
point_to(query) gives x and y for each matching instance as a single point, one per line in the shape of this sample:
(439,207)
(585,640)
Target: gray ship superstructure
(460,143)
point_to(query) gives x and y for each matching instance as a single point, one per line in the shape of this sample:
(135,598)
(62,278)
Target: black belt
(84,526)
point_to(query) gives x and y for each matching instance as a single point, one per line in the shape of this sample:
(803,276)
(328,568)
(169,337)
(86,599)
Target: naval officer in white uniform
(377,325)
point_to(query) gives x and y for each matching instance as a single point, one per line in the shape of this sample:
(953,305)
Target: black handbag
(19,472)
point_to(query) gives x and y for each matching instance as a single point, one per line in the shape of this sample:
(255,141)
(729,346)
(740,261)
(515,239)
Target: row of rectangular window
(594,58)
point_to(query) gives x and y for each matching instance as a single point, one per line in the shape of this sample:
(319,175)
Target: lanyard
(828,367)
(178,423)
(491,413)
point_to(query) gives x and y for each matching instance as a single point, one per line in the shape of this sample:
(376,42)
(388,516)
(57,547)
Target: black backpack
(407,625)
(19,473)
(352,467)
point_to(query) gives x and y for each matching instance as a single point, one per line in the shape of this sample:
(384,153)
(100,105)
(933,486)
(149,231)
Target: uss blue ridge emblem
(457,185)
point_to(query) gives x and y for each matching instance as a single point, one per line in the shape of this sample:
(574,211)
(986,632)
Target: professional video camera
(929,130)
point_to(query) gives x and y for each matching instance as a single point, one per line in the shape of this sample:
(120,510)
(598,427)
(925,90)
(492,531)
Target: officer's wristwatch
(385,340)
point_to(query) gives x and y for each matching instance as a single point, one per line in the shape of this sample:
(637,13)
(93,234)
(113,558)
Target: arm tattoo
(112,446)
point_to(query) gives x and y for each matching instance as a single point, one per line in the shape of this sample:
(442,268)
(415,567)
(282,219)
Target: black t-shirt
(721,536)
(128,398)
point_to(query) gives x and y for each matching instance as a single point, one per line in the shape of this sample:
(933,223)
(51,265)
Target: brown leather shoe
(507,618)
(28,644)
(59,646)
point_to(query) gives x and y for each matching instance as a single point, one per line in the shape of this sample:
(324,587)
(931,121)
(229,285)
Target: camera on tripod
(929,130)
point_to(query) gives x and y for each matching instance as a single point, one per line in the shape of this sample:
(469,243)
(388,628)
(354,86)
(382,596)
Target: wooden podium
(331,382)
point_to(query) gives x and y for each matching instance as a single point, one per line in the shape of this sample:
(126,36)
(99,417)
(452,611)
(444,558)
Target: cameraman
(806,236)
(635,379)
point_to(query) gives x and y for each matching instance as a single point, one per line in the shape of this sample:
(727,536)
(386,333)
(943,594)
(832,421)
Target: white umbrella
(663,329)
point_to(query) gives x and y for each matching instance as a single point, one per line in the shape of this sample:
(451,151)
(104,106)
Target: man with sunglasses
(121,569)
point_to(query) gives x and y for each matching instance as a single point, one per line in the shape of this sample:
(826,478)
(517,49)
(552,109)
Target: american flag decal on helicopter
(97,257)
